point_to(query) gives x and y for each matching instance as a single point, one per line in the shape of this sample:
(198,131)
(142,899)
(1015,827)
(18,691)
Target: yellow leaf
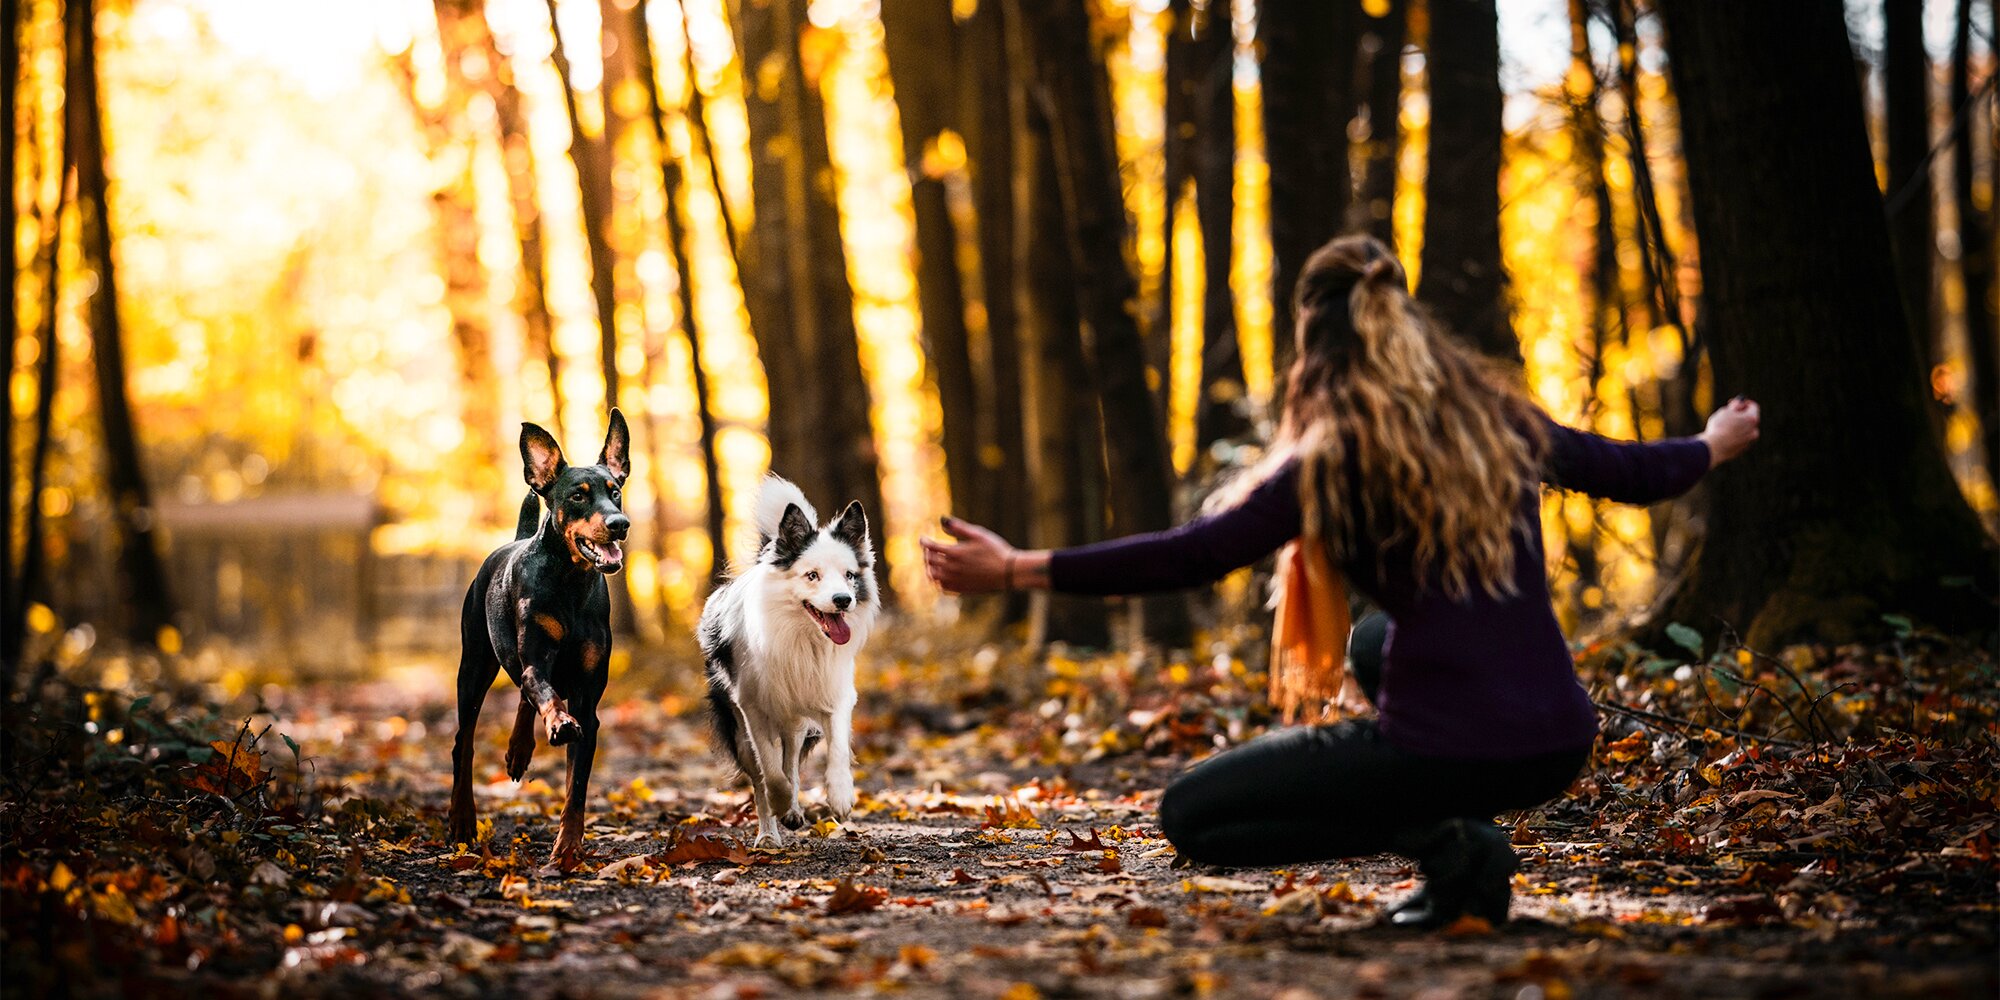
(1022,991)
(61,879)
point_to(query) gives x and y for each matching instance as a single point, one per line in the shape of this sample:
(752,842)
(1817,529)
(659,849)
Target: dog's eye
(614,494)
(813,575)
(578,497)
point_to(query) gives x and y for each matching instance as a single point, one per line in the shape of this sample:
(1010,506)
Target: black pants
(1310,793)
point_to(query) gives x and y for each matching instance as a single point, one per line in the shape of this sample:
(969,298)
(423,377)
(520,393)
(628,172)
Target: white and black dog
(780,640)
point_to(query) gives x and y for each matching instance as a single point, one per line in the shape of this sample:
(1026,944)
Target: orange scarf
(1309,634)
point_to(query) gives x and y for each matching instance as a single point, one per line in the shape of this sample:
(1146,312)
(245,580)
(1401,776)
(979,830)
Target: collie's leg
(839,762)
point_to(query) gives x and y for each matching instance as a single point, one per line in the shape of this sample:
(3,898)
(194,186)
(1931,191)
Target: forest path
(964,875)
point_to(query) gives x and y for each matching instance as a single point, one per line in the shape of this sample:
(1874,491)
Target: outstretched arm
(1200,551)
(1647,472)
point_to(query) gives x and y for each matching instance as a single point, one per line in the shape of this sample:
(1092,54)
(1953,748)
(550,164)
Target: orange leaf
(850,898)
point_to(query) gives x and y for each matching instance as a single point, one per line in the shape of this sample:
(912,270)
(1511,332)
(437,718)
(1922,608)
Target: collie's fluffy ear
(541,457)
(795,532)
(776,494)
(852,528)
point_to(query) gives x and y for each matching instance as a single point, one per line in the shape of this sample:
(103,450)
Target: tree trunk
(531,298)
(32,583)
(675,178)
(1072,92)
(1462,278)
(1308,71)
(821,433)
(141,575)
(1841,513)
(1975,240)
(1062,457)
(986,117)
(1906,78)
(1222,408)
(10,618)
(592,159)
(919,40)
(1601,274)
(1381,72)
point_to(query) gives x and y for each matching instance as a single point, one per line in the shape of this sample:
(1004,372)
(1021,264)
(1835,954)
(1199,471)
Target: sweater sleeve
(1201,551)
(1625,471)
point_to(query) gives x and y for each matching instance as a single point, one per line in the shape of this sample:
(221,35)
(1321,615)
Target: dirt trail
(967,875)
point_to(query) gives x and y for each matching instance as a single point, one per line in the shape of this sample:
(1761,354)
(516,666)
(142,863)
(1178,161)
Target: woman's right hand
(1732,430)
(980,561)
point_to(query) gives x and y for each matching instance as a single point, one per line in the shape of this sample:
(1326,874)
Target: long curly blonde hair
(1439,442)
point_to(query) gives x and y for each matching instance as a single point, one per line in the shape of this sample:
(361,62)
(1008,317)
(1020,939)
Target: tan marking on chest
(593,657)
(550,625)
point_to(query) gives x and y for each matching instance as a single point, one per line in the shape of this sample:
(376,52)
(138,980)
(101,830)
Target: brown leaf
(1146,916)
(1093,843)
(850,898)
(699,848)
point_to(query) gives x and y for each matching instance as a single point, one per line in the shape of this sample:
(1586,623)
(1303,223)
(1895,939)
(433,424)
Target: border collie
(780,640)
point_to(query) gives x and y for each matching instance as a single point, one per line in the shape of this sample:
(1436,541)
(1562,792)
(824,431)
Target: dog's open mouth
(606,557)
(834,625)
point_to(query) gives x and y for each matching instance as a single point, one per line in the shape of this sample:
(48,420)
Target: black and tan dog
(540,608)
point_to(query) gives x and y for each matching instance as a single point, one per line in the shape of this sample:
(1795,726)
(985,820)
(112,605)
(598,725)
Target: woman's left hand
(980,561)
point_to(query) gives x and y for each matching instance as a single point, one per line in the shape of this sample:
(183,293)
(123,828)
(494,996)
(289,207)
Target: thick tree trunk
(1906,77)
(1976,251)
(1462,278)
(985,115)
(919,39)
(1308,73)
(141,574)
(798,265)
(1843,512)
(1381,72)
(633,32)
(1073,93)
(592,159)
(531,298)
(32,583)
(1222,409)
(1601,274)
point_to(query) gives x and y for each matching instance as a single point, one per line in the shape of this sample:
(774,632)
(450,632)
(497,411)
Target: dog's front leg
(778,804)
(794,750)
(538,661)
(840,762)
(582,751)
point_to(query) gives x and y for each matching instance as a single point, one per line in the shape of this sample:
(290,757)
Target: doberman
(540,608)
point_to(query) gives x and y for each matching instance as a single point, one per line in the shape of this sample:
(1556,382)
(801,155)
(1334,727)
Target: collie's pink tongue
(835,627)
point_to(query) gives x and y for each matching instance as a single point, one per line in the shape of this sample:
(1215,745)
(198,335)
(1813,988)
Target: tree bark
(592,159)
(1063,459)
(920,41)
(822,435)
(1072,92)
(1976,251)
(1906,80)
(1601,274)
(1381,72)
(1463,280)
(986,117)
(1308,70)
(1207,137)
(1841,513)
(142,577)
(674,176)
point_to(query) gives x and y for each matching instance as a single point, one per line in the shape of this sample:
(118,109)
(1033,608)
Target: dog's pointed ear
(617,447)
(795,531)
(852,527)
(541,457)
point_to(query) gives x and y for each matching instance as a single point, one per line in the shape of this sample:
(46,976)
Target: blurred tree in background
(286,283)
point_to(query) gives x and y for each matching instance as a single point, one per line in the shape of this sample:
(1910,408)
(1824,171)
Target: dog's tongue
(835,627)
(610,557)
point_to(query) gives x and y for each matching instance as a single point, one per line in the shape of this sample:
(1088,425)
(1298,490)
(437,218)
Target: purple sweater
(1482,677)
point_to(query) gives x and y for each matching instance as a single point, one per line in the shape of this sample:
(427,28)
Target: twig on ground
(1687,724)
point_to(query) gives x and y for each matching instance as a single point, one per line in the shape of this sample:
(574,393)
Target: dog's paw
(841,802)
(793,819)
(768,839)
(464,828)
(517,762)
(563,729)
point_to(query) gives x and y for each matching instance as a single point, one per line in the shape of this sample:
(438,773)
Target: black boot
(1468,867)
